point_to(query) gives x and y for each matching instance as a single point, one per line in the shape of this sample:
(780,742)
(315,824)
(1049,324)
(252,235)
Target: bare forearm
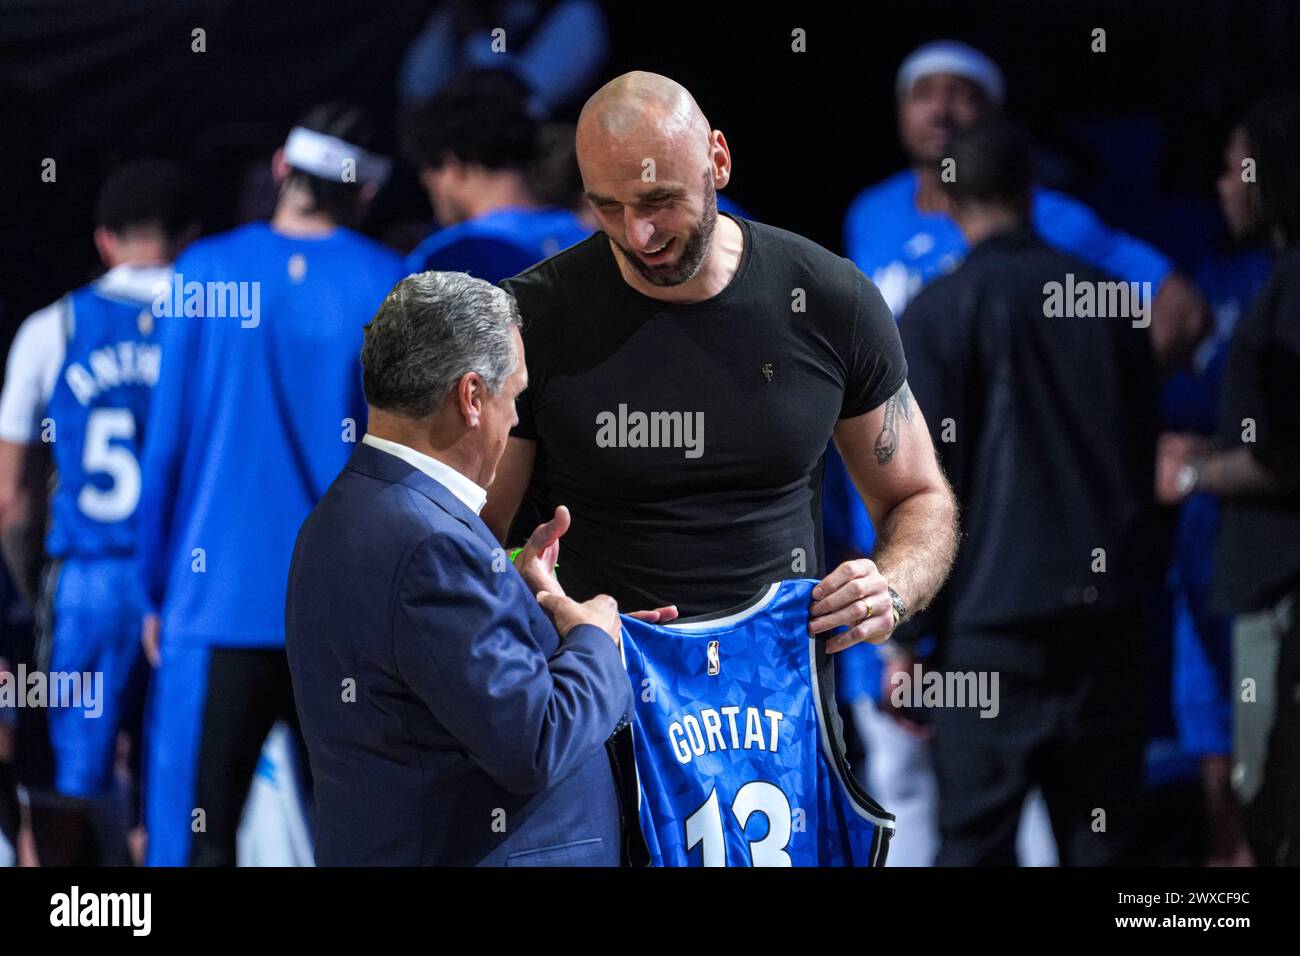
(1238,474)
(916,545)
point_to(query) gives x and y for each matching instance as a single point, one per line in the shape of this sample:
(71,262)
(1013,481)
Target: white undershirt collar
(134,283)
(467,491)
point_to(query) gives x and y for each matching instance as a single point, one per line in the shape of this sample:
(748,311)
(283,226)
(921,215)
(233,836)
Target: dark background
(1137,130)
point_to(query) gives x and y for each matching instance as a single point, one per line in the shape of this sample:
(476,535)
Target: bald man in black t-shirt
(686,372)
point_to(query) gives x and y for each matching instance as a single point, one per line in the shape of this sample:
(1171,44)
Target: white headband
(949,56)
(324,156)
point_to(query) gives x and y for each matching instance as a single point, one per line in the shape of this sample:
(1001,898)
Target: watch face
(1186,478)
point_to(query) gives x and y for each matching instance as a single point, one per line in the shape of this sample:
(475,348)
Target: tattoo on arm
(887,440)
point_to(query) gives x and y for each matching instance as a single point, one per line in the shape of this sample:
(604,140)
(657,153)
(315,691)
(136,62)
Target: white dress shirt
(467,491)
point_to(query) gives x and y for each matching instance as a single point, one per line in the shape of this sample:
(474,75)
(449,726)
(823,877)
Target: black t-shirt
(748,386)
(1051,450)
(1257,556)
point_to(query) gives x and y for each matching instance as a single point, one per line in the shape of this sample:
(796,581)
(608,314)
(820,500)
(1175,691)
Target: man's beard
(697,247)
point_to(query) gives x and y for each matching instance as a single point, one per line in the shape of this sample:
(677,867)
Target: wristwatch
(1187,479)
(900,609)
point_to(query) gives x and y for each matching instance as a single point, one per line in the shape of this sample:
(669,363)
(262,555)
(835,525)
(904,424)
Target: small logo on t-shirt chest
(769,373)
(714,666)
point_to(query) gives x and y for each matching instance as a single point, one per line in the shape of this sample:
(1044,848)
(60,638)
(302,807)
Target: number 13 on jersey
(705,827)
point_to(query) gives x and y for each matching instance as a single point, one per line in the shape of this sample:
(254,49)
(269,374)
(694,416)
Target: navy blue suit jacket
(446,721)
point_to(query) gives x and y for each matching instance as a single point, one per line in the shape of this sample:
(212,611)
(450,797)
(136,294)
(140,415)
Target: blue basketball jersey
(737,758)
(98,408)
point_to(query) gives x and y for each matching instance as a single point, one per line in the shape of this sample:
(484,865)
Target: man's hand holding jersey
(855,595)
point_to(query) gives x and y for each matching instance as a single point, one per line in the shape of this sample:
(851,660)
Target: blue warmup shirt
(499,245)
(738,753)
(256,411)
(901,248)
(99,405)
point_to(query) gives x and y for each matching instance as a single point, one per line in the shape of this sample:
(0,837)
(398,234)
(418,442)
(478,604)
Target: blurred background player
(1251,466)
(254,414)
(900,231)
(477,150)
(1055,421)
(901,234)
(79,377)
(1202,693)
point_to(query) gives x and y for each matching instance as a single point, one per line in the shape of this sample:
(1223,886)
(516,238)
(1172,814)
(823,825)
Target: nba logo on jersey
(746,768)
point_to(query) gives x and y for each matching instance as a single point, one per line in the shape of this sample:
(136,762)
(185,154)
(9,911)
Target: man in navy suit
(448,720)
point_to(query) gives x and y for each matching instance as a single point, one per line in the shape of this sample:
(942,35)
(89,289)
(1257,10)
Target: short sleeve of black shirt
(877,368)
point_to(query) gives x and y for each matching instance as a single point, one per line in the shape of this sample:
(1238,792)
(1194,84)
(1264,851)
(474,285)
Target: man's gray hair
(432,329)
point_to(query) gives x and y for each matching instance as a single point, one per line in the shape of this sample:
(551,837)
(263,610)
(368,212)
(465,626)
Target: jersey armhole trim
(862,802)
